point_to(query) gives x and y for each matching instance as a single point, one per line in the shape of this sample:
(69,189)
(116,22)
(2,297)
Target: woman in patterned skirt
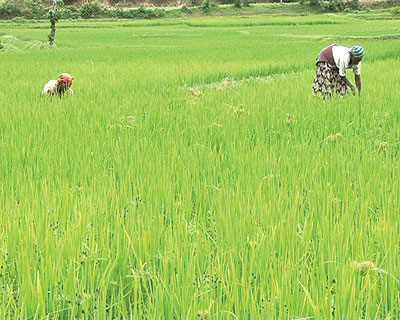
(332,63)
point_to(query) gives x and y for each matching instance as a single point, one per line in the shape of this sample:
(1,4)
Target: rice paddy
(193,175)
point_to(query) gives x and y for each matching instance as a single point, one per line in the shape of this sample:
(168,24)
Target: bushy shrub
(119,13)
(335,5)
(140,13)
(35,10)
(113,2)
(160,13)
(127,14)
(145,13)
(68,2)
(395,10)
(237,3)
(392,3)
(10,9)
(317,3)
(186,10)
(69,12)
(354,4)
(90,10)
(18,20)
(206,5)
(110,13)
(195,3)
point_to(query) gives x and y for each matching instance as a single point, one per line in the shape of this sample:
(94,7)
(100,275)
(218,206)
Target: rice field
(192,175)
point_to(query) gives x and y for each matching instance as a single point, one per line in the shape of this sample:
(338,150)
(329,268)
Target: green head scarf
(357,52)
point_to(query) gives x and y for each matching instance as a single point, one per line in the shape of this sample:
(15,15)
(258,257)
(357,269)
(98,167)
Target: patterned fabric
(327,81)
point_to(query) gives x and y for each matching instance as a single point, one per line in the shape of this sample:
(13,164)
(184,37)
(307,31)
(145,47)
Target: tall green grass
(192,174)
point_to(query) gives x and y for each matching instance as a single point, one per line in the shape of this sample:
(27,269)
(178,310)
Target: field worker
(60,86)
(332,63)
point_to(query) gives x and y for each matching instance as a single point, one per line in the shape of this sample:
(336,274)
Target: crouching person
(60,86)
(332,63)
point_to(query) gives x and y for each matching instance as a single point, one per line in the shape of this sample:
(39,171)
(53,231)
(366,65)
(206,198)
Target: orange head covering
(65,78)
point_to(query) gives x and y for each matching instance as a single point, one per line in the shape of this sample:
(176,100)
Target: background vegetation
(192,174)
(19,10)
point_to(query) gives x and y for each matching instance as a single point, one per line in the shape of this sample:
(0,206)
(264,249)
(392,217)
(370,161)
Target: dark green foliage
(10,9)
(317,3)
(39,9)
(355,5)
(340,5)
(145,13)
(69,12)
(206,5)
(186,10)
(35,10)
(334,5)
(90,10)
(195,3)
(140,13)
(69,2)
(18,20)
(395,11)
(246,3)
(53,16)
(392,3)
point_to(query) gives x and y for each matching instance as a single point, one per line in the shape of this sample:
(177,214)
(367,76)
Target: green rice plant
(193,175)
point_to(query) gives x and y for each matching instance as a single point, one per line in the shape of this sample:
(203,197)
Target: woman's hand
(353,89)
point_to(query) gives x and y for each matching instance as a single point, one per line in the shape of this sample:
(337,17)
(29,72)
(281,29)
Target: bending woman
(332,63)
